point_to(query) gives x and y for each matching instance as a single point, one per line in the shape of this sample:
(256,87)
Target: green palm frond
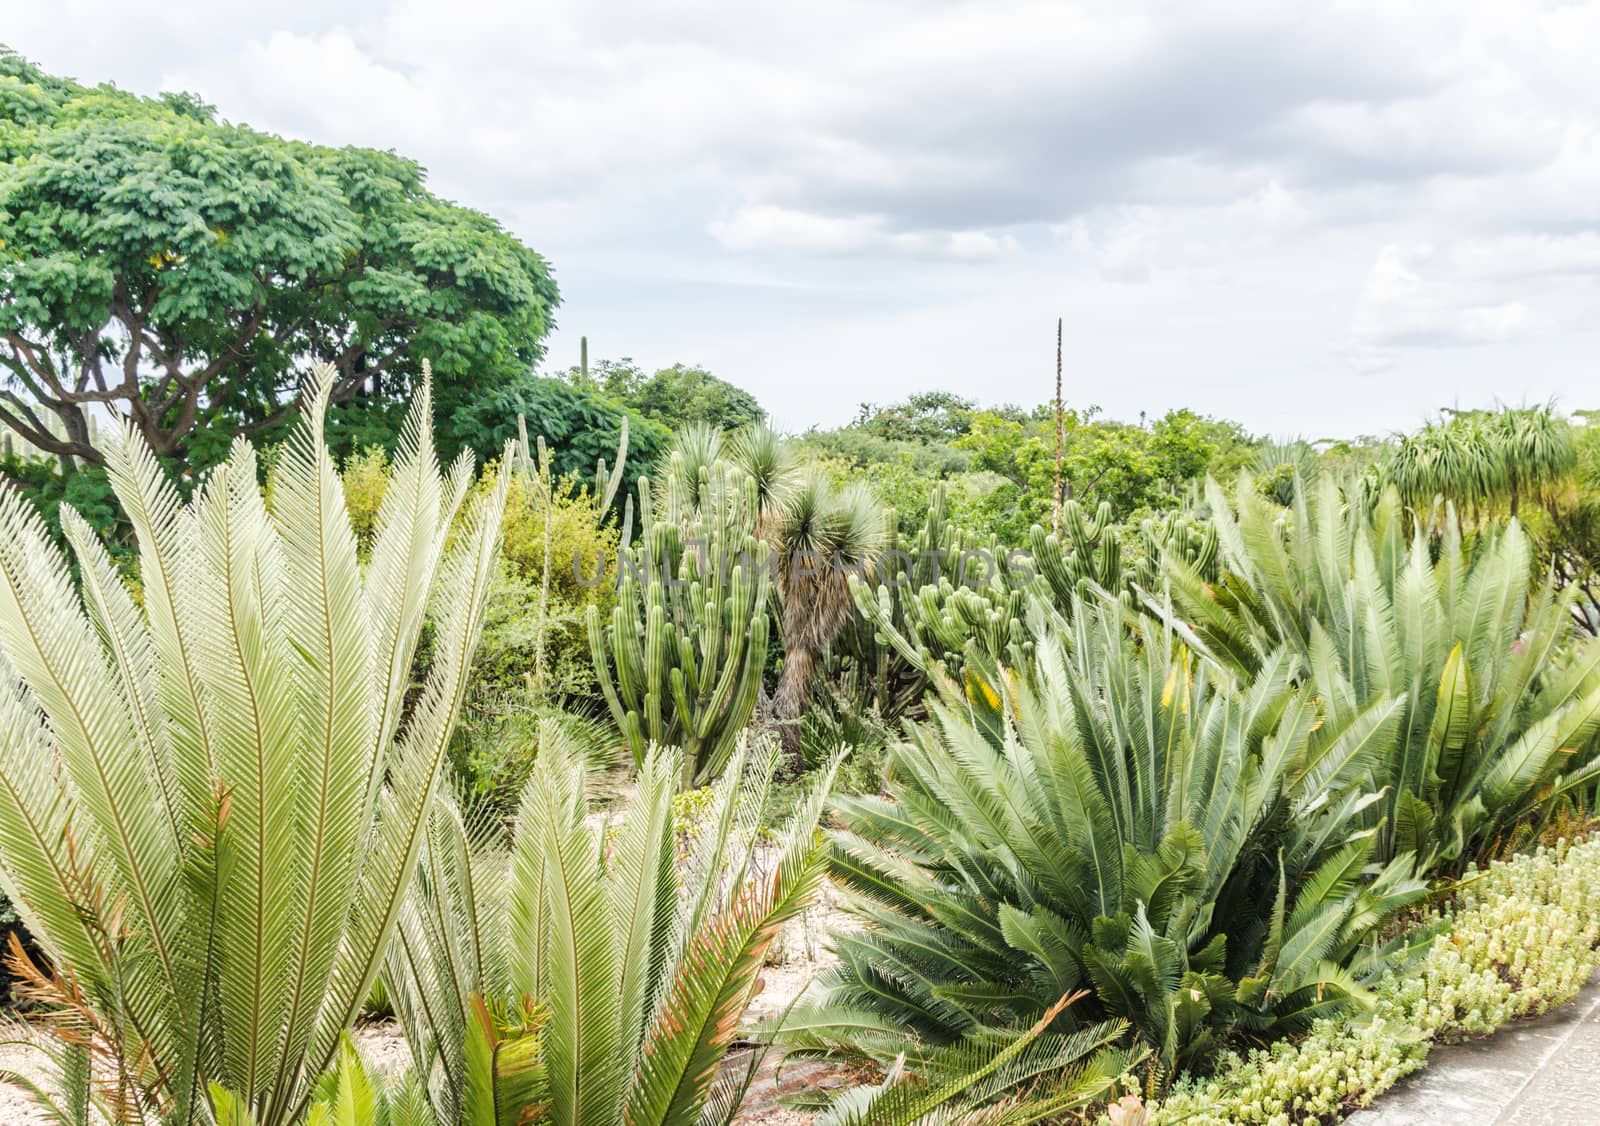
(227,754)
(1123,822)
(1449,648)
(640,964)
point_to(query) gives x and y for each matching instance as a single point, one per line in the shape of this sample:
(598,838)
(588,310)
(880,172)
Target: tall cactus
(1092,554)
(1176,536)
(948,589)
(687,639)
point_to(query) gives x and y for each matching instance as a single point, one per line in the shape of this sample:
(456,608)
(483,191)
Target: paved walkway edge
(1541,1071)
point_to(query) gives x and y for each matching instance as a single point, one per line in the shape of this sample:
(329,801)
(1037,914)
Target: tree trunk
(794,685)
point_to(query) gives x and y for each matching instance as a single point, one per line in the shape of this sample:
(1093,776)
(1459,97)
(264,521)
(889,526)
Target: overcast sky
(1318,219)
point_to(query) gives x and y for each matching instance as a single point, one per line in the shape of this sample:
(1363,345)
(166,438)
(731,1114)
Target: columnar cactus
(947,590)
(1174,536)
(680,661)
(1091,554)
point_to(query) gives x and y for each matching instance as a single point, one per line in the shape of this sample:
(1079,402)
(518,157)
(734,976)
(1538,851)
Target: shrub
(365,477)
(209,806)
(1522,939)
(1183,848)
(608,980)
(1496,719)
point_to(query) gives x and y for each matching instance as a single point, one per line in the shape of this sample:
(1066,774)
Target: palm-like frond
(1453,646)
(641,968)
(227,755)
(1123,822)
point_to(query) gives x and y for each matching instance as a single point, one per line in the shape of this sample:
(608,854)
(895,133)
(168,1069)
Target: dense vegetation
(1164,792)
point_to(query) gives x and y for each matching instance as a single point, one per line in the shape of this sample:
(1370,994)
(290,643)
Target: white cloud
(785,229)
(1228,197)
(1420,297)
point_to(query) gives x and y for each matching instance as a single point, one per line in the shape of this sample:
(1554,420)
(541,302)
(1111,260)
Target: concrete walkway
(1544,1071)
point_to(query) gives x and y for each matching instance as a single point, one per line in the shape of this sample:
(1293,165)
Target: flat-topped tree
(181,270)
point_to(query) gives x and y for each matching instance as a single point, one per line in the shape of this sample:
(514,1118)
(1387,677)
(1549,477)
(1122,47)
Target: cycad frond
(227,754)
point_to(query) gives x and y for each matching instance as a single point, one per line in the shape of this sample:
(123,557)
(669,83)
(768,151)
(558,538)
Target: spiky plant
(1037,1076)
(695,451)
(1279,466)
(1497,718)
(212,796)
(632,973)
(1120,822)
(687,639)
(1477,458)
(762,454)
(825,536)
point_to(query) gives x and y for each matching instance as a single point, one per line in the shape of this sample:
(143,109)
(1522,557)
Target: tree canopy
(183,270)
(674,396)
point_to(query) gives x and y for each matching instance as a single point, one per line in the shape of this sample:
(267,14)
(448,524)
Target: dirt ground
(796,958)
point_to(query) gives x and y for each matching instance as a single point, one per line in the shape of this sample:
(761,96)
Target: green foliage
(365,478)
(951,594)
(675,396)
(558,547)
(1494,720)
(681,394)
(210,807)
(1134,469)
(634,972)
(1281,467)
(925,417)
(681,657)
(1033,1077)
(824,537)
(191,264)
(1569,533)
(951,591)
(1186,849)
(1522,939)
(572,531)
(884,649)
(580,427)
(1481,457)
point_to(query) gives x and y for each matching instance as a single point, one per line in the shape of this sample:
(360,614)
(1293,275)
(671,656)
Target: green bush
(1523,938)
(365,477)
(1184,848)
(533,661)
(1498,717)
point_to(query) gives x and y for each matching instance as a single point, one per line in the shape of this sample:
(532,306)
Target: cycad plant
(212,796)
(1498,707)
(584,975)
(1119,821)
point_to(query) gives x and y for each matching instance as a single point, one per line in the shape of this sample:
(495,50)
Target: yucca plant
(824,537)
(1498,707)
(212,796)
(1118,821)
(626,974)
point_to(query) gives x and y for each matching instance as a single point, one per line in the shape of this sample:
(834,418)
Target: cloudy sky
(1318,218)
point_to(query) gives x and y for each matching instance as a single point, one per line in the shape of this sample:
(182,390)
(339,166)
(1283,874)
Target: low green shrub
(1113,820)
(1521,940)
